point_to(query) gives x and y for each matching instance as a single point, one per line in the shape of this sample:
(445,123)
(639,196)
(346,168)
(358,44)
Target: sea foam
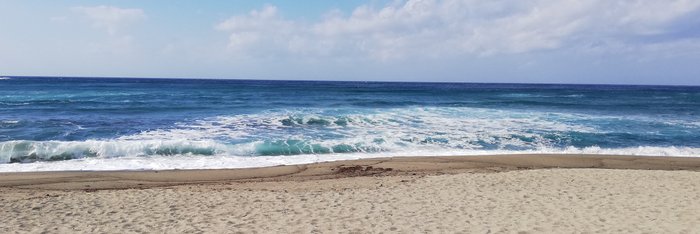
(223,162)
(411,131)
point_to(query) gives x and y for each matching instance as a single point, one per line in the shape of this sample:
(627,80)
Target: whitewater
(52,124)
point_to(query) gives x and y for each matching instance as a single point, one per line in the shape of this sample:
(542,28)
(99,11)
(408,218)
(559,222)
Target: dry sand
(491,194)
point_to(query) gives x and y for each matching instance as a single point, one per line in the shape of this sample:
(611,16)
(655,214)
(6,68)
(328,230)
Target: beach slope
(508,193)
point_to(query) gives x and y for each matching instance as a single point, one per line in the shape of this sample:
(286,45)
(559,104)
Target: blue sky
(529,41)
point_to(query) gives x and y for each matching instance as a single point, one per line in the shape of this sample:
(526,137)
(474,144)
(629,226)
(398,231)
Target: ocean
(49,124)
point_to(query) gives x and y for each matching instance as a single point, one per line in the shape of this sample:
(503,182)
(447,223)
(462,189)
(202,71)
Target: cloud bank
(433,28)
(565,41)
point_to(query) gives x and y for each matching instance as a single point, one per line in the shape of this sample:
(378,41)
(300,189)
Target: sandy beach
(470,194)
(363,116)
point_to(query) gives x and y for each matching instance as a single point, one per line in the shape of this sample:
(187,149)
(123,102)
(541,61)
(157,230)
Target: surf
(92,121)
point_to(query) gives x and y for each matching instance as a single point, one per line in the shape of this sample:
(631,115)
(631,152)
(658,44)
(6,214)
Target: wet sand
(482,194)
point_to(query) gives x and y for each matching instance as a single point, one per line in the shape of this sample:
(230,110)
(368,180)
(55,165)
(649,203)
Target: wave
(5,78)
(222,161)
(37,151)
(400,132)
(32,151)
(410,124)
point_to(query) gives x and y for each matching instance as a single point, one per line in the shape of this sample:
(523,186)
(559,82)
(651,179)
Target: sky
(516,41)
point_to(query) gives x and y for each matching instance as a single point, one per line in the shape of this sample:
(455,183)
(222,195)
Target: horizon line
(359,81)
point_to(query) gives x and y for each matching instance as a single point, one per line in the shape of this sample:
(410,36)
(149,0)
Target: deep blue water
(43,119)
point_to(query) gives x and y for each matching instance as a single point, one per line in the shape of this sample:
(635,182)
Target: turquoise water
(59,119)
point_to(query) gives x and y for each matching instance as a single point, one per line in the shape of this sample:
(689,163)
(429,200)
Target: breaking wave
(203,155)
(398,132)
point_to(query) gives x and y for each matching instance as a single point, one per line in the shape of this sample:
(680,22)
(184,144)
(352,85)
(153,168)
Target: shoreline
(383,166)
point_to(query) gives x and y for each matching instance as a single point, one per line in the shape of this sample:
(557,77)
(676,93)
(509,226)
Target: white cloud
(646,17)
(436,28)
(260,32)
(111,18)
